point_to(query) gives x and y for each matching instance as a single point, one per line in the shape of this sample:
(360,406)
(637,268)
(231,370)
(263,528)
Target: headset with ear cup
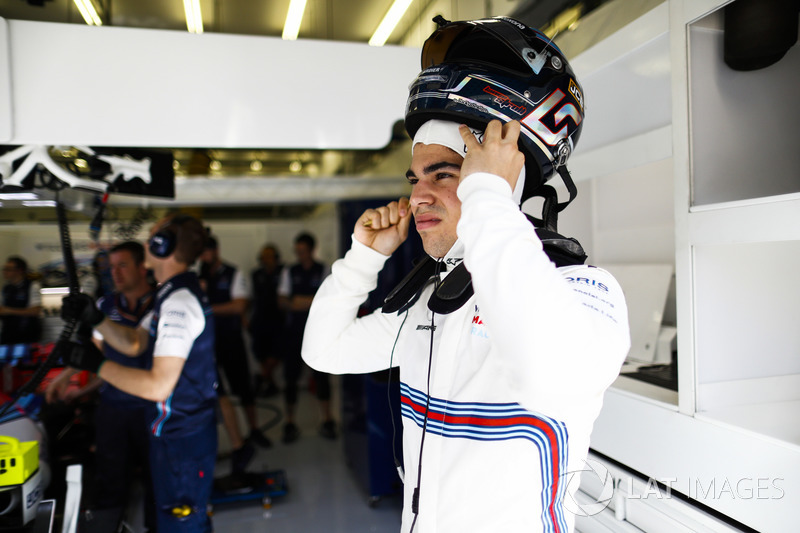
(164,241)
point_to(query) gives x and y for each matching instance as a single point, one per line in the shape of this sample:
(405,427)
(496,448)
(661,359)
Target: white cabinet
(730,150)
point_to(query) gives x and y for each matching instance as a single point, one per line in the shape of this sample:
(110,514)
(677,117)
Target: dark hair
(190,237)
(306,238)
(19,262)
(274,248)
(211,243)
(134,248)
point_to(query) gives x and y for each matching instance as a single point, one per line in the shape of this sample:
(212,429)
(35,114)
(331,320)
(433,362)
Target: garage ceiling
(339,20)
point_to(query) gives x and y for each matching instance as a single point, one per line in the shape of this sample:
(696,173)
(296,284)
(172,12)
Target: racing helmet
(498,68)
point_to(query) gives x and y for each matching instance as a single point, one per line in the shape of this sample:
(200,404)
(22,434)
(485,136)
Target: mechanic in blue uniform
(177,338)
(267,321)
(21,305)
(229,294)
(296,291)
(120,418)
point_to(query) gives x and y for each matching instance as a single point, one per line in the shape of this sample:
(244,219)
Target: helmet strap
(567,179)
(551,208)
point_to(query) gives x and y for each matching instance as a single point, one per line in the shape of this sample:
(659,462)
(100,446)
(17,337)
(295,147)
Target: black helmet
(498,68)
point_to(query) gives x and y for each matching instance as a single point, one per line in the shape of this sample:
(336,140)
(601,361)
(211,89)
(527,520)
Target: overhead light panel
(389,22)
(293,19)
(88,12)
(194,17)
(18,196)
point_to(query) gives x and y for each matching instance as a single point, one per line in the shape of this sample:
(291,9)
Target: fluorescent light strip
(88,12)
(54,290)
(18,196)
(389,22)
(293,19)
(194,17)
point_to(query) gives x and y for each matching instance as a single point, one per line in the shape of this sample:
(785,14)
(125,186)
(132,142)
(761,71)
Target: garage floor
(323,495)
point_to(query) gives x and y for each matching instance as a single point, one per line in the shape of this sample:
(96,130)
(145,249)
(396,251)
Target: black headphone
(164,241)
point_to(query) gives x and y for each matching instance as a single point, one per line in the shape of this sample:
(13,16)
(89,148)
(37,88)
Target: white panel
(693,9)
(639,32)
(637,197)
(626,81)
(247,190)
(777,420)
(6,120)
(630,96)
(666,445)
(603,522)
(744,124)
(76,84)
(747,310)
(634,217)
(635,245)
(749,392)
(632,152)
(645,288)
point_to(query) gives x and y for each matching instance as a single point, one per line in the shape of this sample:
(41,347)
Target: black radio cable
(69,326)
(397,464)
(415,495)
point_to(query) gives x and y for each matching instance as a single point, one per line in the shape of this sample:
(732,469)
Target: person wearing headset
(120,419)
(505,340)
(179,379)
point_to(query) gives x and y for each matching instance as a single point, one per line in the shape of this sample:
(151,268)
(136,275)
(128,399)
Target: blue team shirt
(117,308)
(191,404)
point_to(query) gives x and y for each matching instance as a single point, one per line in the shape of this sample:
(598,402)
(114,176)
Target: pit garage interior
(688,175)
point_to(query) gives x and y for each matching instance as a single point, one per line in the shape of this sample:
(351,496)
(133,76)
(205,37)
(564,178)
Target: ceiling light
(389,22)
(88,12)
(54,290)
(18,196)
(293,19)
(38,203)
(194,18)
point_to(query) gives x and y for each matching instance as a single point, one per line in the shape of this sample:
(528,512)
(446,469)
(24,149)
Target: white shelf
(694,452)
(765,219)
(777,420)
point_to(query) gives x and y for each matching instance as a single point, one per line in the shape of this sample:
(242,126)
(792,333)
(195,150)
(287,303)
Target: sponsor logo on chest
(478,328)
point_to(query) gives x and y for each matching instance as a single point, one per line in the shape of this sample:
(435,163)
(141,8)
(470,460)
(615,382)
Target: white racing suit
(517,374)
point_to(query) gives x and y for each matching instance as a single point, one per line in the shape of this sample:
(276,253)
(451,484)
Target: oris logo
(586,281)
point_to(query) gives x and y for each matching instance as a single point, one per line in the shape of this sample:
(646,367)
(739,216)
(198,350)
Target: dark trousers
(232,360)
(293,365)
(122,441)
(183,475)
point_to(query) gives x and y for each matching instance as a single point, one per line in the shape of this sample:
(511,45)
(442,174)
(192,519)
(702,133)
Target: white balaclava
(446,133)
